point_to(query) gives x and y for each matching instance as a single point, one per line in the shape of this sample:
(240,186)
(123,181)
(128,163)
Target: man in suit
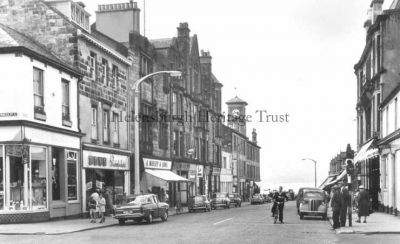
(336,206)
(345,204)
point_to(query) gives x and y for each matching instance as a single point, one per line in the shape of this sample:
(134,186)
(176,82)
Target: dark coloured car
(141,207)
(220,200)
(313,202)
(235,199)
(199,202)
(257,199)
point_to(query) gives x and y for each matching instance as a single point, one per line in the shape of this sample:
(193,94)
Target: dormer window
(80,16)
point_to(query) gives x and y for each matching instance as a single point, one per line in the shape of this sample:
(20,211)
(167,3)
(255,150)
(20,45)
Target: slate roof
(10,38)
(236,100)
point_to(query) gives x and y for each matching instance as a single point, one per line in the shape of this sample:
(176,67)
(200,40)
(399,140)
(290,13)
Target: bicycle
(276,211)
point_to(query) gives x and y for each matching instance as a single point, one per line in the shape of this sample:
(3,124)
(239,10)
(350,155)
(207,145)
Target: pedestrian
(380,200)
(336,206)
(363,205)
(102,207)
(345,204)
(92,209)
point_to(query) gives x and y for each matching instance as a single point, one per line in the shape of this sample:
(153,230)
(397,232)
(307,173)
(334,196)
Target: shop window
(38,90)
(39,178)
(2,198)
(65,100)
(94,123)
(18,186)
(72,171)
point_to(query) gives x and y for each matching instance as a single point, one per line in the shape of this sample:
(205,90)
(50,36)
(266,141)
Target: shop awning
(366,151)
(166,175)
(339,178)
(328,180)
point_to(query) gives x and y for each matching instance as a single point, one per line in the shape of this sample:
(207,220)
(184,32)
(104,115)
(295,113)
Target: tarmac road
(248,224)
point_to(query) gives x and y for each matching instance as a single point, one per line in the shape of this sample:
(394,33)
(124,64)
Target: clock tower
(237,113)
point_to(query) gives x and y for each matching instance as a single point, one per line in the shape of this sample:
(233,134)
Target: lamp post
(136,93)
(315,170)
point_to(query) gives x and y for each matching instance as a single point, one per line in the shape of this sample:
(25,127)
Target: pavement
(61,227)
(377,223)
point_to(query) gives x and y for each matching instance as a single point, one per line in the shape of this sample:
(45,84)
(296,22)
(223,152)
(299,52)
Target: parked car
(235,199)
(312,202)
(141,207)
(220,200)
(199,202)
(257,199)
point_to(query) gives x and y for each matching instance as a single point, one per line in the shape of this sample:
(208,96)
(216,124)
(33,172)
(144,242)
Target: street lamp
(315,169)
(136,93)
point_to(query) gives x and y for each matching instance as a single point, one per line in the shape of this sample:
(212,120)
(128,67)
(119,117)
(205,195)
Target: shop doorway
(109,182)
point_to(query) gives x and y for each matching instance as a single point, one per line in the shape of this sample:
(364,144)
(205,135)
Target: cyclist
(279,202)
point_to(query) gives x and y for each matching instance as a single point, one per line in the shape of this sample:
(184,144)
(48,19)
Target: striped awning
(366,151)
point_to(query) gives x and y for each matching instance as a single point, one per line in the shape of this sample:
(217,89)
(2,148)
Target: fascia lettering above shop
(156,164)
(105,160)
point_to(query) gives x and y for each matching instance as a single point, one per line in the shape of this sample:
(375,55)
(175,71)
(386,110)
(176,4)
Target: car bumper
(219,204)
(129,216)
(198,207)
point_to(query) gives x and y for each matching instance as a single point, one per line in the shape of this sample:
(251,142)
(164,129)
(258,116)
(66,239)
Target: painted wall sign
(156,164)
(104,160)
(181,166)
(9,114)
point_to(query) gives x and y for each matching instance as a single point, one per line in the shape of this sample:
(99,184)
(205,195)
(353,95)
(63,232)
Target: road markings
(222,221)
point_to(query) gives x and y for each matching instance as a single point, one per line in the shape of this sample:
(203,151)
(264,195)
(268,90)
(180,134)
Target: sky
(286,57)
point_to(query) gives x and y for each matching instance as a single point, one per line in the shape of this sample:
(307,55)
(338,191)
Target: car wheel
(301,216)
(150,219)
(229,206)
(165,216)
(324,217)
(205,209)
(121,221)
(190,210)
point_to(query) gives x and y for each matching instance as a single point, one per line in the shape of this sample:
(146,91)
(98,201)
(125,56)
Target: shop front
(188,171)
(160,180)
(107,173)
(34,184)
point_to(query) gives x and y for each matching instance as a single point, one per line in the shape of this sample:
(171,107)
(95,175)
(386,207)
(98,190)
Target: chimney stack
(183,30)
(376,9)
(117,20)
(254,136)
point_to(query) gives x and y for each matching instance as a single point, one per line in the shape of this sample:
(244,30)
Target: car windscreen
(198,199)
(219,195)
(314,194)
(138,200)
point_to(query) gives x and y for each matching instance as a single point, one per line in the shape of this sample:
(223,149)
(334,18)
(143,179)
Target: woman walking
(363,204)
(102,208)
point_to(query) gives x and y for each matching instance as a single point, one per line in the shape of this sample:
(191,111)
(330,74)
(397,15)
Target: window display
(39,178)
(72,170)
(18,185)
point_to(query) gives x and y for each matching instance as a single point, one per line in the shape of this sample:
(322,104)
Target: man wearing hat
(363,204)
(336,205)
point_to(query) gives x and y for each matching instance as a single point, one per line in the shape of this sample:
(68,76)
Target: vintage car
(199,202)
(141,207)
(299,193)
(235,199)
(220,200)
(312,202)
(257,199)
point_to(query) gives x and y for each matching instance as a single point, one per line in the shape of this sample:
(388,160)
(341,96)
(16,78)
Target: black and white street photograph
(199,121)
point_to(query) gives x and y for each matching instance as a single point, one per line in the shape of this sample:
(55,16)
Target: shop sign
(72,155)
(216,171)
(156,164)
(105,161)
(181,166)
(200,171)
(9,114)
(192,171)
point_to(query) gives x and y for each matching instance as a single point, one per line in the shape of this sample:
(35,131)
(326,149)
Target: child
(102,208)
(92,209)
